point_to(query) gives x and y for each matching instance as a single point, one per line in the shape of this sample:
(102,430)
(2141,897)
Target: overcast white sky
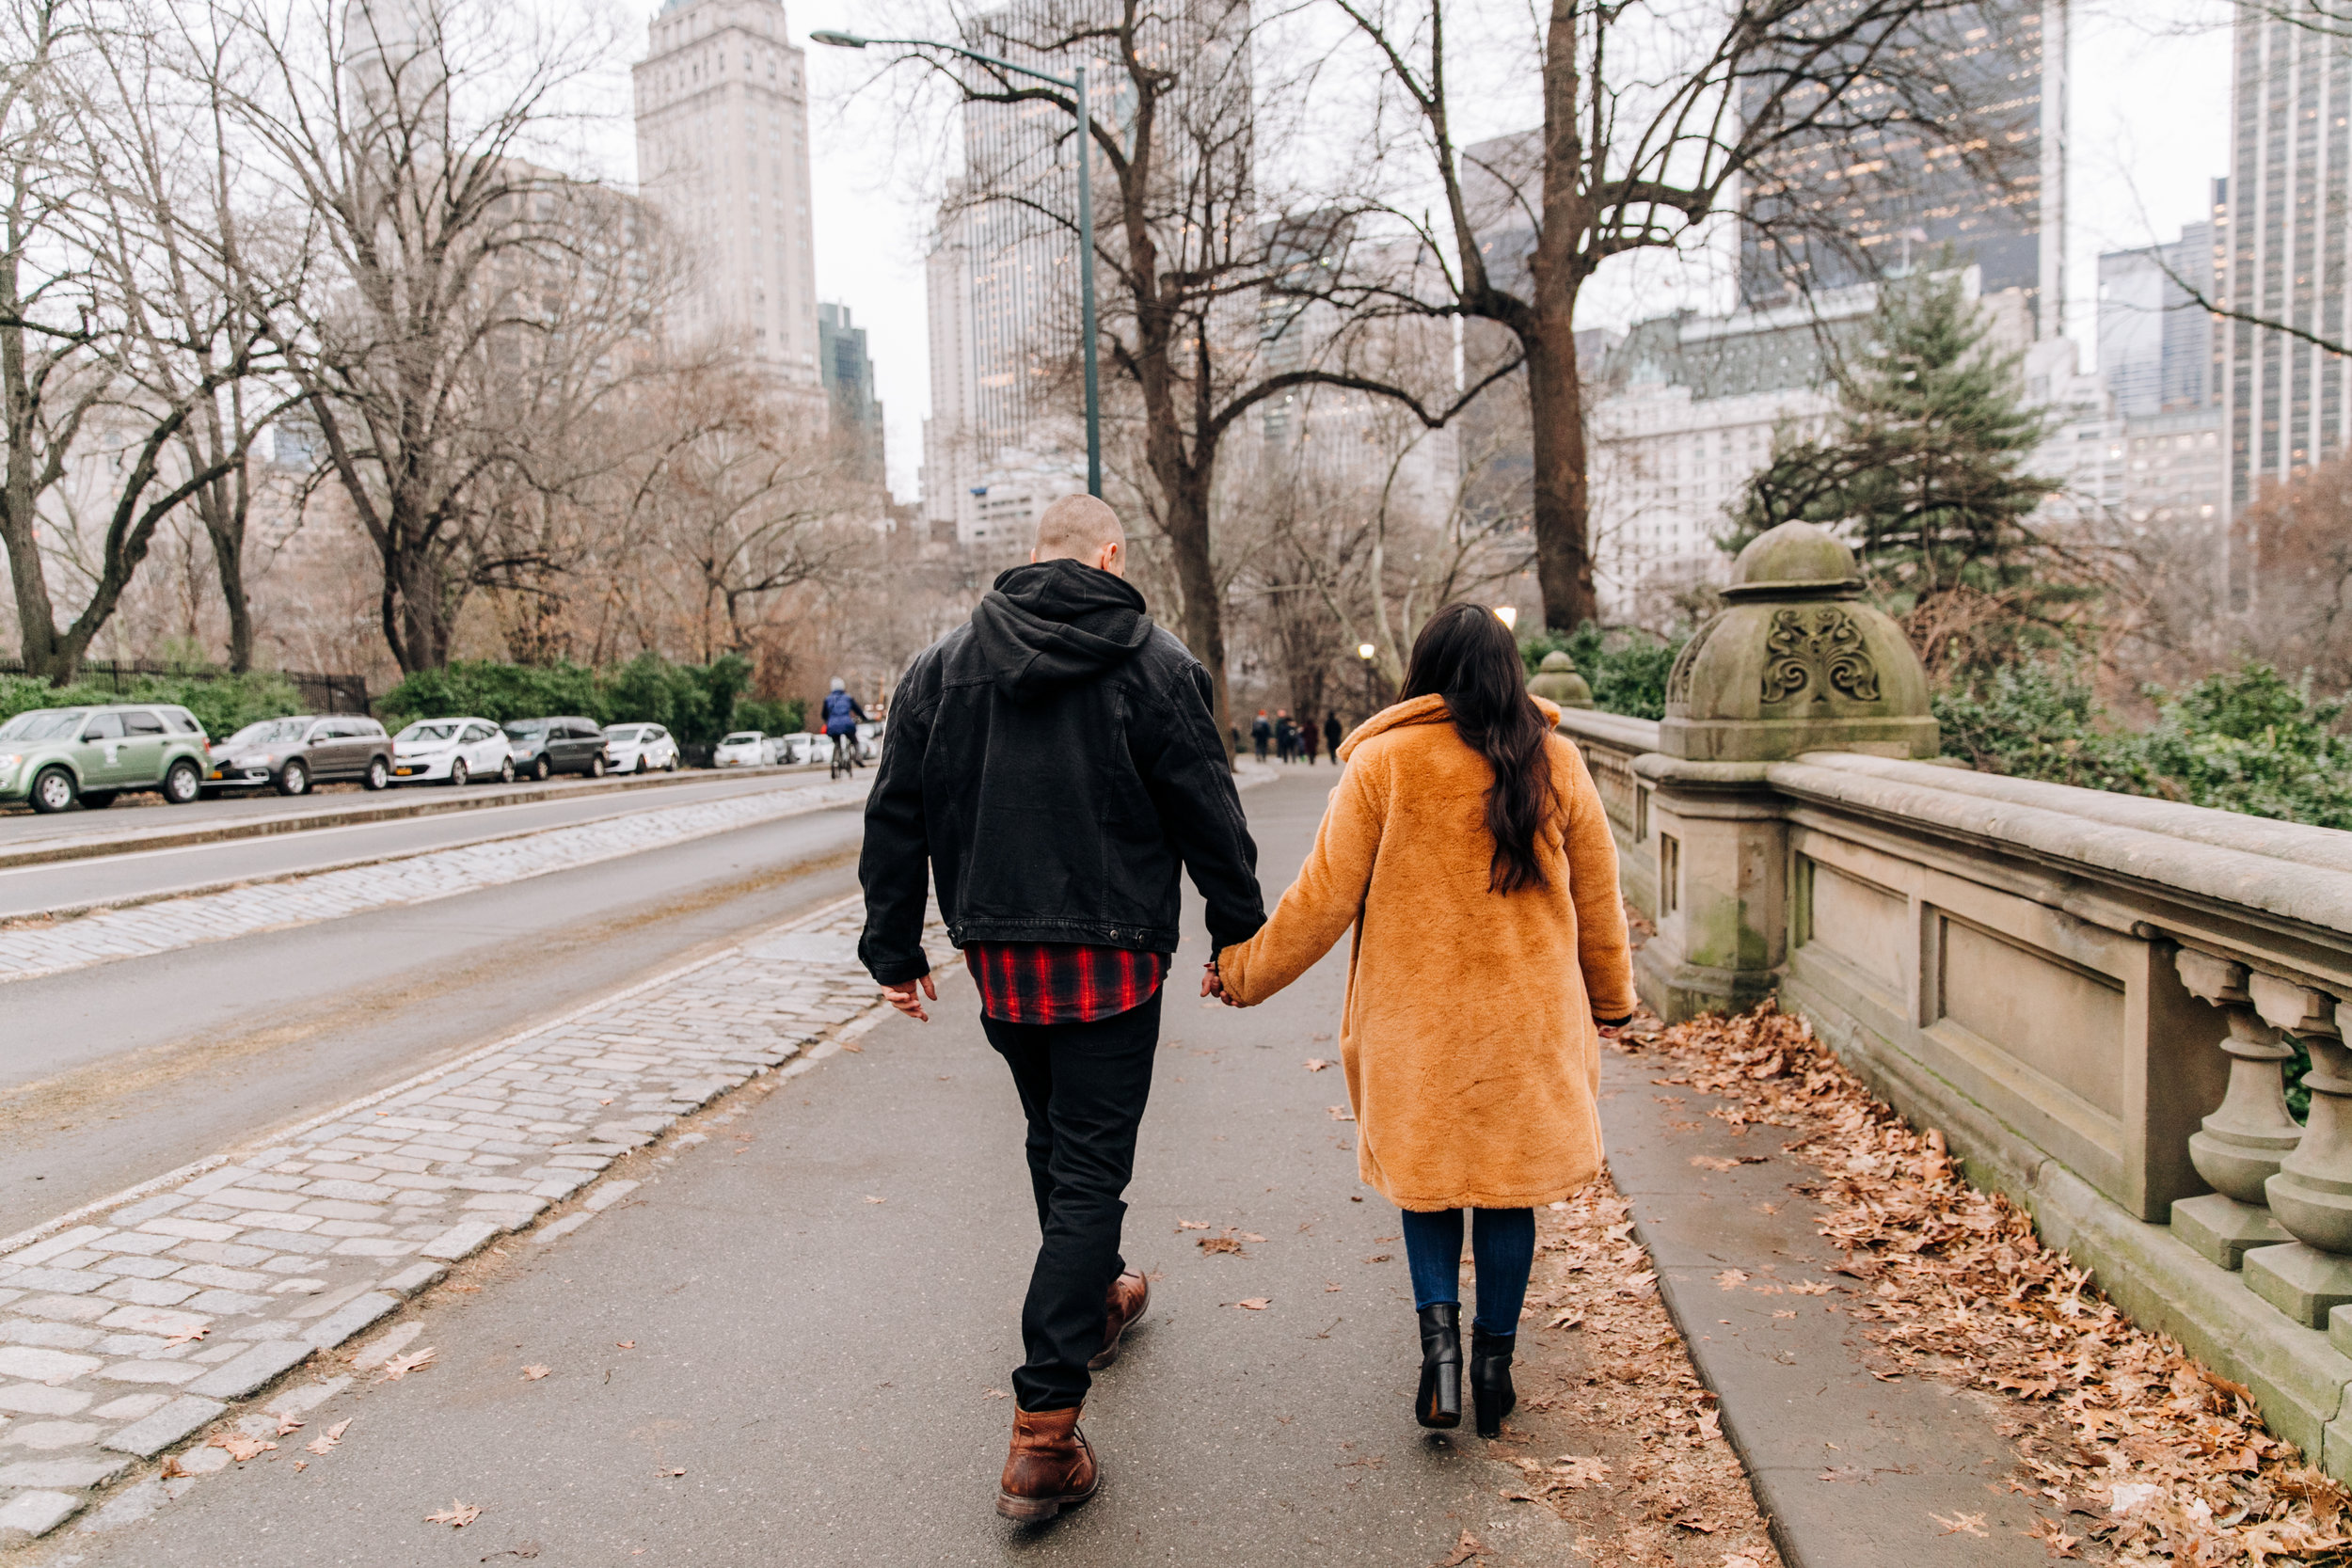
(2148,127)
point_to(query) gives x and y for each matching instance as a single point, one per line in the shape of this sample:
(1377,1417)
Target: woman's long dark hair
(1468,656)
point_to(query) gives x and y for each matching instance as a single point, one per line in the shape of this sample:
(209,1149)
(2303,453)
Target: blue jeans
(1502,1244)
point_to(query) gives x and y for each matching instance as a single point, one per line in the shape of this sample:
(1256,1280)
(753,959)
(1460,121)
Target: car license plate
(407,770)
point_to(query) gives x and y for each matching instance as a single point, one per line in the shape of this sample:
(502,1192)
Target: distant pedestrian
(1285,735)
(1469,1037)
(1260,732)
(1331,733)
(1052,766)
(1306,739)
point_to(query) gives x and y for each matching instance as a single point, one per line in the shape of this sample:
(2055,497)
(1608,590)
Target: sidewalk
(788,1343)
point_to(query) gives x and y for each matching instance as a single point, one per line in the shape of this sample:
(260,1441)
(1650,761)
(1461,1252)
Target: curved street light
(1075,84)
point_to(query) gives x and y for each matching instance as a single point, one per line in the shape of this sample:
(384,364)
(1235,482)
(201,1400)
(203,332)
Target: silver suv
(55,756)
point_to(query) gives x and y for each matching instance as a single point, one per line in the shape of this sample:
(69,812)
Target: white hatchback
(451,751)
(638,747)
(743,749)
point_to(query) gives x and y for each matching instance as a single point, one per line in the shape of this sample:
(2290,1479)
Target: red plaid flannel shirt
(1061,982)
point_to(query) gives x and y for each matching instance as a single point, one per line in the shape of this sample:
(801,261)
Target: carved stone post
(1796,663)
(2312,1193)
(2241,1144)
(1557,681)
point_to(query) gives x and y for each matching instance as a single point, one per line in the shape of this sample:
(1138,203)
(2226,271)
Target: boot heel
(1438,1405)
(1491,1394)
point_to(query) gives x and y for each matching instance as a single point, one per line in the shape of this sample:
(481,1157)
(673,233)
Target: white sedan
(451,751)
(743,749)
(638,747)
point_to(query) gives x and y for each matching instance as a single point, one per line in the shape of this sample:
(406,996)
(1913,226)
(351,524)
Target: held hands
(1212,985)
(903,998)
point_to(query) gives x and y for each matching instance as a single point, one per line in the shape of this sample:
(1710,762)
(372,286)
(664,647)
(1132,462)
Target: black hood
(1053,623)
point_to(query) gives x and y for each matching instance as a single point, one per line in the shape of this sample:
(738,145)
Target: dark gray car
(545,745)
(292,754)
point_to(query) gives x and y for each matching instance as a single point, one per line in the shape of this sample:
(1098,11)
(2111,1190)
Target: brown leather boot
(1051,1466)
(1128,1299)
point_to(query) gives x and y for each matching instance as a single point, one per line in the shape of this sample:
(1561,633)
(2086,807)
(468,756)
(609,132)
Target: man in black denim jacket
(1052,764)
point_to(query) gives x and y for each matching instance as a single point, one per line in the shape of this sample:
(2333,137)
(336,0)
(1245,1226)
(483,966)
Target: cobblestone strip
(134,1331)
(174,922)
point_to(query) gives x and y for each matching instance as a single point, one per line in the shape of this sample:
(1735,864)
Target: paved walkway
(788,1343)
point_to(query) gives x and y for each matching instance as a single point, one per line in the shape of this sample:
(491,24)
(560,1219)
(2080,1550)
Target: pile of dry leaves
(2142,1454)
(1655,1483)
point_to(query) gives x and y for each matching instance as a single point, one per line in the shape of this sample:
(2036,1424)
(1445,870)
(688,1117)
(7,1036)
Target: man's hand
(905,999)
(1212,985)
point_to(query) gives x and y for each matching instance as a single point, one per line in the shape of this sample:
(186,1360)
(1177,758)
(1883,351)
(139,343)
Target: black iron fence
(320,693)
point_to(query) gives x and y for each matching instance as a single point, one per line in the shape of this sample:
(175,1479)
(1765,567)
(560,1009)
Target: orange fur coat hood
(1468,1036)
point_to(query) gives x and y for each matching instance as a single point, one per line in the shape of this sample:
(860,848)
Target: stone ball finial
(1796,663)
(1557,682)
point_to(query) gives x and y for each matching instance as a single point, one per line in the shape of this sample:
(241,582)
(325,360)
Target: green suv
(54,756)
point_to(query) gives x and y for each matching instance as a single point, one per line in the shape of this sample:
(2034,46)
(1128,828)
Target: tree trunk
(1186,495)
(1562,500)
(35,617)
(222,506)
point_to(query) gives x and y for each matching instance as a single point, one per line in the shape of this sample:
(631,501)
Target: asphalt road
(783,1349)
(120,1073)
(29,890)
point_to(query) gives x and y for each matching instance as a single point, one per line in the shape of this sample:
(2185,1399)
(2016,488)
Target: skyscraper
(2156,344)
(1906,197)
(723,154)
(857,413)
(2284,254)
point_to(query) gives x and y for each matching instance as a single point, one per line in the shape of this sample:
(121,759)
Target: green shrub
(2246,740)
(785,718)
(1627,668)
(696,703)
(223,704)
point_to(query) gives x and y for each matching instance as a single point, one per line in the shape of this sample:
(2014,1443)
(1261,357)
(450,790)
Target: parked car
(451,751)
(805,749)
(292,754)
(55,756)
(742,749)
(638,747)
(567,745)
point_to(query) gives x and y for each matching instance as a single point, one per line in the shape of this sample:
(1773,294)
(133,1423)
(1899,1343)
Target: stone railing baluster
(2310,1197)
(2238,1147)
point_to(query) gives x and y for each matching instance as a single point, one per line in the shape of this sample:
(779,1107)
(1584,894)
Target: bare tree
(459,271)
(122,318)
(1655,119)
(1188,258)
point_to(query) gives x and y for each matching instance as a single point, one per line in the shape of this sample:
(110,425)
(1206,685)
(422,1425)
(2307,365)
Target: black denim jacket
(1052,762)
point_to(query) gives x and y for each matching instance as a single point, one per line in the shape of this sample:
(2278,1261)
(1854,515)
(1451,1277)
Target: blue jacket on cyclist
(842,714)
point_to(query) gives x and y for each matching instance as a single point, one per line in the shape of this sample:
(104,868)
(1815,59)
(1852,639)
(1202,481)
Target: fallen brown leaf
(1339,1113)
(2048,1533)
(534,1372)
(682,1472)
(1731,1280)
(1255,1304)
(1464,1550)
(1959,1524)
(846,1046)
(241,1448)
(1182,1226)
(401,1366)
(624,1344)
(1217,1243)
(1317,1064)
(187,1336)
(872,1199)
(288,1425)
(328,1438)
(456,1515)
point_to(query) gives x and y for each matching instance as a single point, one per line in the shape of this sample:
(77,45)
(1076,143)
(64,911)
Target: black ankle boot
(1439,1402)
(1491,1379)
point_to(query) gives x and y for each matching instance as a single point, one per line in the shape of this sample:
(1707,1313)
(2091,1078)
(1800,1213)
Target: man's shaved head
(1081,527)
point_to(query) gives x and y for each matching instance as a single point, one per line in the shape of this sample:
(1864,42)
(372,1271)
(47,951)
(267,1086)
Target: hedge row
(223,704)
(698,703)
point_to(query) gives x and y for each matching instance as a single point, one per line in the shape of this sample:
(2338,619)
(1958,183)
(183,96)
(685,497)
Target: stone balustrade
(2099,998)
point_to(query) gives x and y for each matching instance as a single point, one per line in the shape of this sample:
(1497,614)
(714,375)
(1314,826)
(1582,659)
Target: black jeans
(1082,1088)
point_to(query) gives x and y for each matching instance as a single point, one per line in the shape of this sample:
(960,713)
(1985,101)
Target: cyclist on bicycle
(842,718)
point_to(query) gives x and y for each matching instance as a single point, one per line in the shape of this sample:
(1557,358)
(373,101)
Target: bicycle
(844,755)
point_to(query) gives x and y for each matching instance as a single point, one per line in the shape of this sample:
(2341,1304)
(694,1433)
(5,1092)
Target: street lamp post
(1365,651)
(1075,84)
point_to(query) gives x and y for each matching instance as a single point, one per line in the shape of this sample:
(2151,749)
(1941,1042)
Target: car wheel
(671,765)
(97,799)
(183,783)
(379,776)
(294,779)
(539,771)
(457,773)
(54,791)
(596,767)
(506,769)
(642,768)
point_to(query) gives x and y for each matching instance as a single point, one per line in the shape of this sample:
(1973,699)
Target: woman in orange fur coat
(1467,846)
